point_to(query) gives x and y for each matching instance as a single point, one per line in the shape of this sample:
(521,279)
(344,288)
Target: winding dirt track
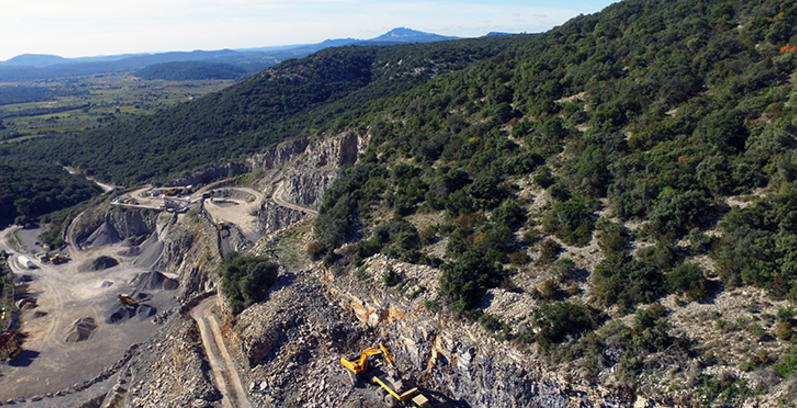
(277,198)
(221,364)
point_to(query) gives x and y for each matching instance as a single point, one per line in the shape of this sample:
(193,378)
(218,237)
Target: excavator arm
(360,365)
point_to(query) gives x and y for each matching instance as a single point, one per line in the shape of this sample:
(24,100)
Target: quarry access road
(224,372)
(277,198)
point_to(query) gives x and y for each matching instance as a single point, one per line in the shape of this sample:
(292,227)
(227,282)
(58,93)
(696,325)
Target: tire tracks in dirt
(223,368)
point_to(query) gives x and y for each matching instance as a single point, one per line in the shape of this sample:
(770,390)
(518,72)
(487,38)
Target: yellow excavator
(361,363)
(127,300)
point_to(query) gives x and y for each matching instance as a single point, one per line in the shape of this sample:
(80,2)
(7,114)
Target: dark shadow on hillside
(284,280)
(714,289)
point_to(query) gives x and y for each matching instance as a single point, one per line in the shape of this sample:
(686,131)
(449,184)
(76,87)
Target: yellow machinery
(58,259)
(359,364)
(127,300)
(409,398)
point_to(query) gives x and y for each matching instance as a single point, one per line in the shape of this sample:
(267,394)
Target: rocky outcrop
(191,252)
(300,171)
(212,173)
(169,370)
(275,217)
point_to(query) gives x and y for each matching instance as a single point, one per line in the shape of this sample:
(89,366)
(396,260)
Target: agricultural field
(75,104)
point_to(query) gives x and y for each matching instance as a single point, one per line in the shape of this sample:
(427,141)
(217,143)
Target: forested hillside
(642,153)
(293,97)
(190,70)
(30,190)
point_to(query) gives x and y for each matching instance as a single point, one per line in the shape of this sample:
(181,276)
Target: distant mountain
(35,60)
(496,34)
(250,60)
(405,35)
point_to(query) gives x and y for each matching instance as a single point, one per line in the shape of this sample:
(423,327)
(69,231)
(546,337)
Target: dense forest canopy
(190,70)
(31,190)
(292,97)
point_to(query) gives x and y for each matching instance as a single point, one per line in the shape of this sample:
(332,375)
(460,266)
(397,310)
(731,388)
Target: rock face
(299,171)
(212,173)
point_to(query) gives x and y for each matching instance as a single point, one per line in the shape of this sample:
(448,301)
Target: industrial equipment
(360,364)
(127,300)
(410,398)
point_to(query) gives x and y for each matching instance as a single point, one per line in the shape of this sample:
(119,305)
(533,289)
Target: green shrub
(544,177)
(509,214)
(613,238)
(787,365)
(563,269)
(650,328)
(465,280)
(427,235)
(556,322)
(490,322)
(549,251)
(571,222)
(688,278)
(531,237)
(246,280)
(626,281)
(391,278)
(519,258)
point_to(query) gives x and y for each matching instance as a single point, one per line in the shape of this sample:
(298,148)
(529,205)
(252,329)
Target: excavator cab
(359,364)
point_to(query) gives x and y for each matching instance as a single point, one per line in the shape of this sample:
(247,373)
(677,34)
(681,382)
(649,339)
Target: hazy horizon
(84,28)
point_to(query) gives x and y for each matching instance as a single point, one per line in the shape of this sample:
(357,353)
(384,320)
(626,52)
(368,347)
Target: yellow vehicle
(360,364)
(127,300)
(410,398)
(58,259)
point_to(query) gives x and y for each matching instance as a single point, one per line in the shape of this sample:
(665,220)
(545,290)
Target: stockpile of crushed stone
(81,330)
(150,252)
(154,280)
(104,235)
(100,263)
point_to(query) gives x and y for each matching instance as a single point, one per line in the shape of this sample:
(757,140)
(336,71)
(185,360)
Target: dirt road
(277,198)
(224,371)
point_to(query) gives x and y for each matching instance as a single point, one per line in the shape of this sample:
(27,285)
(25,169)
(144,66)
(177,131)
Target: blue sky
(73,28)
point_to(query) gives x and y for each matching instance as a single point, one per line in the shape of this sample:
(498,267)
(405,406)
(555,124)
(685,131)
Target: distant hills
(190,70)
(248,60)
(35,60)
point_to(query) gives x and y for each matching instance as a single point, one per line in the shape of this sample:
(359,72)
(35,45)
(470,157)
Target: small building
(26,262)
